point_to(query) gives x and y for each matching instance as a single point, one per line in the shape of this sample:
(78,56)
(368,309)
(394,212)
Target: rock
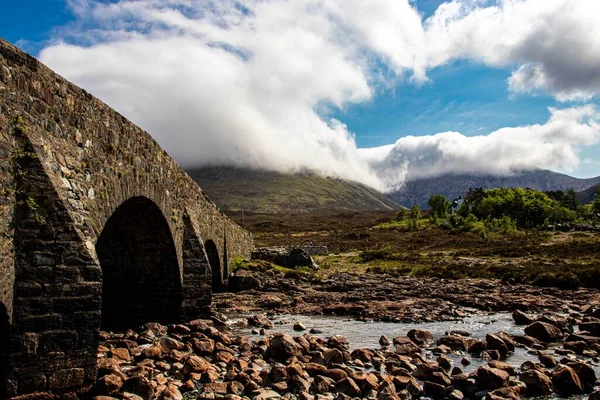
(388,392)
(547,360)
(314,369)
(215,387)
(336,374)
(364,355)
(495,343)
(586,374)
(235,388)
(509,392)
(521,318)
(108,384)
(139,386)
(578,347)
(592,327)
(456,395)
(444,362)
(434,390)
(203,347)
(171,393)
(283,347)
(338,342)
(455,342)
(322,384)
(384,341)
(348,387)
(538,383)
(260,322)
(476,347)
(492,378)
(421,337)
(506,367)
(366,381)
(566,382)
(333,356)
(265,394)
(195,363)
(543,331)
(243,280)
(299,326)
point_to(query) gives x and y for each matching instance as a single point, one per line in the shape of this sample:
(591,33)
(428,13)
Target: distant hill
(418,191)
(271,192)
(588,195)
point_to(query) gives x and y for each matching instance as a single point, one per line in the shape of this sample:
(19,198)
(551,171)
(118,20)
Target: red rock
(492,378)
(538,383)
(566,382)
(543,331)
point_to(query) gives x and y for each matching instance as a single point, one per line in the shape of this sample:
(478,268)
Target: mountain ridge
(418,191)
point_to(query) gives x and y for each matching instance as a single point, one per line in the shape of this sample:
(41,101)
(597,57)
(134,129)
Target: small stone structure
(99,228)
(290,257)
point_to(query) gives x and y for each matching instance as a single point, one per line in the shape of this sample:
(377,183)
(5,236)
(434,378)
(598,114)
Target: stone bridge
(99,229)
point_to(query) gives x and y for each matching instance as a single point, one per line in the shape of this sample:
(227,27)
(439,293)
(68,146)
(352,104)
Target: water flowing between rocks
(366,334)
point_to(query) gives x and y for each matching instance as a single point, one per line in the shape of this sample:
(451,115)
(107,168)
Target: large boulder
(543,331)
(592,327)
(492,378)
(243,280)
(420,336)
(283,347)
(538,383)
(494,342)
(566,382)
(521,318)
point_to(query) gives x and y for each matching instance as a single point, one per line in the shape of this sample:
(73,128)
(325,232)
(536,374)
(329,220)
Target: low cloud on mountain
(250,82)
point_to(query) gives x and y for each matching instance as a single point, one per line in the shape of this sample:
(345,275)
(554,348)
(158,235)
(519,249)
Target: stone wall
(68,162)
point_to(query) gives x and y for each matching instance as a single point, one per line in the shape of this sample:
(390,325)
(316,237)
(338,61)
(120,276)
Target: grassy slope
(560,259)
(271,192)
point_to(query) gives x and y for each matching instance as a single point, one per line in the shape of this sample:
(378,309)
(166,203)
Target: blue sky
(467,94)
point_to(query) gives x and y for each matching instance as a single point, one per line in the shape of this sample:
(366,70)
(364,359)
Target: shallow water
(366,334)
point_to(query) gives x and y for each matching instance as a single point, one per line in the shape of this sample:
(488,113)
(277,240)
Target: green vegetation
(439,206)
(262,191)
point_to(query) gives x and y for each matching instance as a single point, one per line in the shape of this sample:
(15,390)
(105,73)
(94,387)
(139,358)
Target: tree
(571,201)
(415,215)
(439,205)
(400,214)
(597,203)
(415,212)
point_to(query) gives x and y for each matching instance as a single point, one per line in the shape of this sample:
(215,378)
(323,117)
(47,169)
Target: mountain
(233,189)
(587,196)
(418,191)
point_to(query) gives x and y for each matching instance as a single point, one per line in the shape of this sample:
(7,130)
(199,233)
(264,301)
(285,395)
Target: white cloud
(553,144)
(248,82)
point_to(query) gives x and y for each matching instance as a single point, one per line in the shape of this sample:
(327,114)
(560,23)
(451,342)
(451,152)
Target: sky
(378,91)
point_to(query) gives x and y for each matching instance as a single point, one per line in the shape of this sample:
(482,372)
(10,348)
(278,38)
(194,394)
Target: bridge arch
(214,260)
(141,281)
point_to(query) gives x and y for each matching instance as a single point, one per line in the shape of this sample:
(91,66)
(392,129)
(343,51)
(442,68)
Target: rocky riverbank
(382,297)
(199,361)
